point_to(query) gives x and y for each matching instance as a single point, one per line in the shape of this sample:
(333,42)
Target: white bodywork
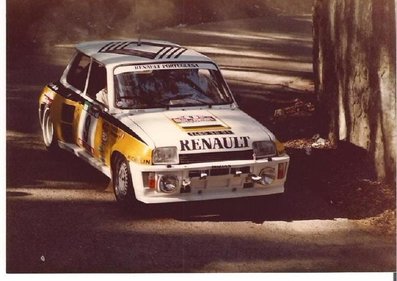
(206,134)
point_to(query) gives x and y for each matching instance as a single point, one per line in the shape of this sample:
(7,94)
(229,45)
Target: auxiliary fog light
(267,175)
(168,183)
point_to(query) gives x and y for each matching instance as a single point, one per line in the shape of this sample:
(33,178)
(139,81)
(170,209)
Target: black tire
(122,183)
(47,127)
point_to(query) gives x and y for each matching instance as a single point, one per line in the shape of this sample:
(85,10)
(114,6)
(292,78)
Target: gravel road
(62,215)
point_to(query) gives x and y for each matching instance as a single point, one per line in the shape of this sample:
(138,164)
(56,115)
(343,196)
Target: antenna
(138,30)
(137,26)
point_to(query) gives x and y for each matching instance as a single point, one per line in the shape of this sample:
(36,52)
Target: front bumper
(208,181)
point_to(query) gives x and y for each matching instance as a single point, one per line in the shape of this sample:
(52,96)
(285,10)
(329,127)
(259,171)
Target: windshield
(139,87)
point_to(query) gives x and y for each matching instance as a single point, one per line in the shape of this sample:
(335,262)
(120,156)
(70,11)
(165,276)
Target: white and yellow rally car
(161,122)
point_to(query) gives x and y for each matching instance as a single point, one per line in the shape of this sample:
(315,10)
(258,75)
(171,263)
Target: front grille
(215,157)
(219,172)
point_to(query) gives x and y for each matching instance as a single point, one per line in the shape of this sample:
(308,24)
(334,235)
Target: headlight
(263,149)
(268,175)
(165,155)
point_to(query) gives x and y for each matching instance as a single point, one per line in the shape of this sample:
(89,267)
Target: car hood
(197,131)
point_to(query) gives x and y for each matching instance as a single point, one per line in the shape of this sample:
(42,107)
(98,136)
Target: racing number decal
(87,128)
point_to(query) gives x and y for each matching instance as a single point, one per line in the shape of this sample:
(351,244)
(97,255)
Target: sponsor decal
(104,137)
(214,143)
(145,161)
(165,66)
(221,166)
(193,119)
(209,133)
(104,141)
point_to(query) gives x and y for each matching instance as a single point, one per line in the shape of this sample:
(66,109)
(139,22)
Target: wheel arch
(115,156)
(41,112)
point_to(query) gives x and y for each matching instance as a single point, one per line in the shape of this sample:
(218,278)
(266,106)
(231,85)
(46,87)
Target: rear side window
(97,88)
(97,79)
(78,71)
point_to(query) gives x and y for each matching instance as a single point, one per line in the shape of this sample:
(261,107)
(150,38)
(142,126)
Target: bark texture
(355,76)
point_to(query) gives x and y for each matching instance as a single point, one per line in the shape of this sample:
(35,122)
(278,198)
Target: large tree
(355,76)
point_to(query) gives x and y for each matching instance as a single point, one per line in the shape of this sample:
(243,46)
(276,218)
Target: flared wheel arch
(128,200)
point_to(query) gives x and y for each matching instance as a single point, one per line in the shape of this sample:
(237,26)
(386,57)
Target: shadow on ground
(64,238)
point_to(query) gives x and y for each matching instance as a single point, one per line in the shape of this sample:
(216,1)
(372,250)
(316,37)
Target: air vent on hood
(205,128)
(143,49)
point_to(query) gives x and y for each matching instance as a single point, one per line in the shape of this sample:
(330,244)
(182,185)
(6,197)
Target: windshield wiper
(187,100)
(177,97)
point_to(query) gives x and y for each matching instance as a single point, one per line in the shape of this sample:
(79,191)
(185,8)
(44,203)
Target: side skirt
(82,153)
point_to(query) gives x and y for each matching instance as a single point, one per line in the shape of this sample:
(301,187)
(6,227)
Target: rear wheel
(122,183)
(50,140)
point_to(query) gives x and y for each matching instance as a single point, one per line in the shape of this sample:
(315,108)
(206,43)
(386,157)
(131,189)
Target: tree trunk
(355,76)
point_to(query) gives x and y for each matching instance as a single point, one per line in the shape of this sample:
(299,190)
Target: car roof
(131,51)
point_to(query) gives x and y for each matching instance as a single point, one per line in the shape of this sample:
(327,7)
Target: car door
(78,113)
(95,131)
(90,122)
(81,106)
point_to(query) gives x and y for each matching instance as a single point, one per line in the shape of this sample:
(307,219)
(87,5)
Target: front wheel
(122,183)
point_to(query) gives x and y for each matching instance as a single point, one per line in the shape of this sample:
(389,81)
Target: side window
(78,71)
(97,86)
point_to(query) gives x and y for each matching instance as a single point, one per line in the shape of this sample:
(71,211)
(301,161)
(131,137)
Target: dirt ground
(334,217)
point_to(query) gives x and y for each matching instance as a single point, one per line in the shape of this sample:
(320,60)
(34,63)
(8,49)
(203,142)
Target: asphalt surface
(62,216)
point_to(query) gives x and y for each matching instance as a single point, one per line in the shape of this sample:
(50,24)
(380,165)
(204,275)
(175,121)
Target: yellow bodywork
(108,138)
(280,148)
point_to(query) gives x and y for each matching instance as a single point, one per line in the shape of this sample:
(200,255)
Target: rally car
(160,121)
